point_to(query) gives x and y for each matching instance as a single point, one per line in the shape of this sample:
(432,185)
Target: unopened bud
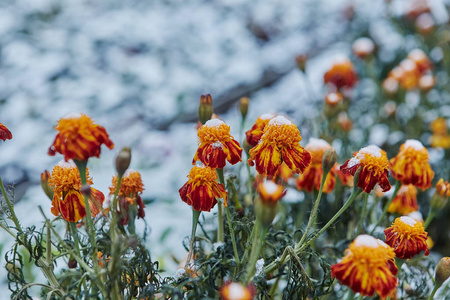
(243,106)
(328,160)
(442,270)
(205,109)
(344,121)
(123,160)
(439,199)
(301,61)
(264,212)
(72,263)
(48,190)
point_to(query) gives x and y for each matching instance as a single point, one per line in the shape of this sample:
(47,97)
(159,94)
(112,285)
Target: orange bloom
(416,215)
(406,200)
(443,188)
(441,141)
(439,126)
(201,190)
(345,178)
(342,74)
(217,145)
(407,236)
(312,176)
(255,133)
(374,166)
(79,138)
(363,47)
(236,291)
(68,199)
(279,143)
(130,191)
(333,99)
(283,172)
(421,60)
(5,134)
(411,166)
(271,192)
(367,267)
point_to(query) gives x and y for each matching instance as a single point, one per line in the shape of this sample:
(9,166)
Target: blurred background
(138,68)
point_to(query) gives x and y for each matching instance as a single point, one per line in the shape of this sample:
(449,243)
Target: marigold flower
(236,291)
(216,145)
(130,191)
(271,192)
(279,143)
(439,126)
(416,215)
(420,59)
(342,74)
(284,172)
(68,199)
(367,267)
(344,121)
(374,166)
(312,177)
(441,194)
(255,133)
(201,190)
(407,236)
(411,166)
(363,47)
(440,141)
(406,200)
(333,99)
(5,134)
(79,138)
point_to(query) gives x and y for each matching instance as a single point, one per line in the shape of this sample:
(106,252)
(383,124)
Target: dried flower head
(255,133)
(374,166)
(406,200)
(342,74)
(367,267)
(279,143)
(411,166)
(407,236)
(5,134)
(79,138)
(217,145)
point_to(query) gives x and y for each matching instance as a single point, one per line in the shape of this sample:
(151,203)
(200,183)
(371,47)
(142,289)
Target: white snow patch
(72,115)
(317,144)
(408,220)
(128,172)
(179,273)
(270,187)
(416,215)
(279,120)
(216,245)
(372,150)
(217,145)
(67,164)
(367,240)
(266,116)
(403,189)
(236,291)
(214,123)
(363,45)
(408,64)
(259,267)
(414,144)
(333,98)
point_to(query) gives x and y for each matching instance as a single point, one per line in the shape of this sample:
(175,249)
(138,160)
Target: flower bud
(123,160)
(442,270)
(265,213)
(328,160)
(48,190)
(344,121)
(205,109)
(440,197)
(243,106)
(72,263)
(301,61)
(266,204)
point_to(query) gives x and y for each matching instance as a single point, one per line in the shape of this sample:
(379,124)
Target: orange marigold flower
(374,166)
(342,74)
(406,200)
(236,291)
(201,190)
(312,177)
(255,133)
(411,166)
(216,145)
(270,192)
(443,188)
(284,172)
(333,99)
(279,143)
(367,267)
(407,236)
(441,141)
(363,47)
(130,191)
(439,126)
(421,60)
(79,138)
(68,199)
(439,199)
(5,134)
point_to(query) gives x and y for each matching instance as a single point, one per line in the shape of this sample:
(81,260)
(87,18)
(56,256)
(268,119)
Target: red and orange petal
(236,291)
(202,190)
(271,192)
(79,138)
(374,166)
(70,206)
(407,236)
(443,188)
(283,172)
(254,134)
(406,200)
(216,145)
(421,60)
(342,74)
(279,143)
(345,178)
(367,267)
(5,134)
(411,166)
(312,178)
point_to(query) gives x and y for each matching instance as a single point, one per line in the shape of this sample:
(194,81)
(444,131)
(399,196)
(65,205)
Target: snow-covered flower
(254,134)
(405,201)
(236,291)
(342,74)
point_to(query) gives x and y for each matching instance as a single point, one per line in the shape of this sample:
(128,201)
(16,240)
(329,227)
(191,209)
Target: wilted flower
(255,133)
(5,134)
(367,267)
(342,74)
(406,200)
(374,166)
(236,291)
(407,236)
(79,138)
(279,143)
(201,190)
(216,145)
(411,166)
(68,199)
(312,177)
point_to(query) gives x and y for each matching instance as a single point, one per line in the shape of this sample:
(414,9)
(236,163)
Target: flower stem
(386,206)
(233,237)
(429,218)
(363,214)
(10,206)
(195,216)
(257,240)
(220,208)
(436,287)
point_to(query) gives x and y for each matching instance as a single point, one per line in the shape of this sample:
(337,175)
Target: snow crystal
(236,291)
(128,172)
(259,267)
(363,44)
(317,144)
(217,145)
(270,187)
(180,273)
(416,215)
(415,144)
(333,98)
(266,116)
(280,120)
(408,65)
(214,123)
(371,150)
(367,240)
(402,190)
(72,115)
(67,164)
(408,220)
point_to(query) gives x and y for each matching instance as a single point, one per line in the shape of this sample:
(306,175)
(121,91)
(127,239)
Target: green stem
(48,250)
(386,206)
(313,215)
(436,287)
(233,238)
(195,216)
(350,294)
(256,249)
(429,218)
(220,209)
(10,207)
(363,214)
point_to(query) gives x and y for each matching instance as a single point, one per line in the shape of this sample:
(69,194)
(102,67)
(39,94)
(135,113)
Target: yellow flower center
(200,175)
(65,177)
(407,227)
(367,253)
(130,186)
(373,158)
(214,131)
(281,135)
